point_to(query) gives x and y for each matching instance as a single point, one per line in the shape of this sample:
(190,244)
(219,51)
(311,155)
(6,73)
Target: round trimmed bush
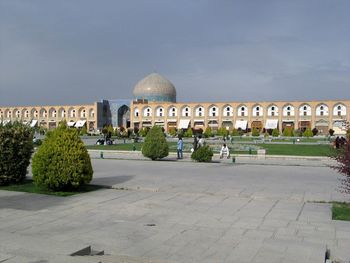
(202,154)
(62,161)
(155,145)
(16,147)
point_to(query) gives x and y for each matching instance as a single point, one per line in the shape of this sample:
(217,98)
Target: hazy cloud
(80,51)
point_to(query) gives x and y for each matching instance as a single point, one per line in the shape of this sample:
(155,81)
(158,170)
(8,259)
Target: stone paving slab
(191,217)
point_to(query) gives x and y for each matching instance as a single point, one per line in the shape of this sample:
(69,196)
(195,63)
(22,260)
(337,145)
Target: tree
(255,132)
(62,161)
(172,131)
(307,133)
(314,131)
(208,132)
(235,132)
(343,167)
(188,133)
(143,132)
(155,145)
(16,147)
(288,132)
(223,132)
(202,154)
(83,131)
(275,133)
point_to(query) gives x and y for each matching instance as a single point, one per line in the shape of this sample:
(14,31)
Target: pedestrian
(180,145)
(195,143)
(224,151)
(337,142)
(201,141)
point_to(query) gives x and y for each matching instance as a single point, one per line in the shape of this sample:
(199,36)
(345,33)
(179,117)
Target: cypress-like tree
(155,145)
(62,161)
(16,147)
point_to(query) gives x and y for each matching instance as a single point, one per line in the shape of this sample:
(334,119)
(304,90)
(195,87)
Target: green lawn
(272,149)
(341,211)
(29,187)
(298,150)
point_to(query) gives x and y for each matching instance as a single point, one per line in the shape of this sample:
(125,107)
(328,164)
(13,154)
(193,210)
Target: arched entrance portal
(124,117)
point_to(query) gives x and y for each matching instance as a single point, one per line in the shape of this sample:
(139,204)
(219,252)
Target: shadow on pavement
(112,180)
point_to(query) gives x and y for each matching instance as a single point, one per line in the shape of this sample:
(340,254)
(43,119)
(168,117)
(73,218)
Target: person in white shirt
(224,151)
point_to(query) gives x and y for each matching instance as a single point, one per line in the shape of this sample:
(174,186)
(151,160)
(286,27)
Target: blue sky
(80,51)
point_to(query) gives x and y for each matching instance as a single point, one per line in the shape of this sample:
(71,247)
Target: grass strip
(341,211)
(28,186)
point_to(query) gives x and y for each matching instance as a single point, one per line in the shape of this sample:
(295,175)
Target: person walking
(180,145)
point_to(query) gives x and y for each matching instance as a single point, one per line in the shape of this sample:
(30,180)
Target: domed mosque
(155,87)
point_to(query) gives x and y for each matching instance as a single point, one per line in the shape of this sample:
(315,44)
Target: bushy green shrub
(275,133)
(155,145)
(202,154)
(143,132)
(83,131)
(255,132)
(307,133)
(16,147)
(235,132)
(62,161)
(222,131)
(288,132)
(172,131)
(188,133)
(208,132)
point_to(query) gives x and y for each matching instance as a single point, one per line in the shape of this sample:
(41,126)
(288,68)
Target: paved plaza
(180,211)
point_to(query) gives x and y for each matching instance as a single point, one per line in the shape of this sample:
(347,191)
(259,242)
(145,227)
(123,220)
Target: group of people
(339,142)
(197,143)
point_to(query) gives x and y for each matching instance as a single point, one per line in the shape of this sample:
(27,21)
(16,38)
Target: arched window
(305,110)
(322,110)
(92,113)
(339,110)
(147,112)
(186,112)
(213,111)
(288,110)
(73,113)
(199,112)
(272,110)
(160,112)
(228,111)
(242,111)
(136,112)
(172,112)
(257,111)
(83,113)
(18,114)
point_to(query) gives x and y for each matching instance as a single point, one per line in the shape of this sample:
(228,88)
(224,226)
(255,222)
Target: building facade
(146,111)
(154,103)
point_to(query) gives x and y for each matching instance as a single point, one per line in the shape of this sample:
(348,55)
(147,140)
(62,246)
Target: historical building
(154,103)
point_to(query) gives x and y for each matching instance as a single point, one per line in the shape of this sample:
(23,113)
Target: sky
(80,51)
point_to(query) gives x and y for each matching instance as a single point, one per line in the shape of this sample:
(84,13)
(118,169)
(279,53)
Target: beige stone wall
(306,113)
(50,116)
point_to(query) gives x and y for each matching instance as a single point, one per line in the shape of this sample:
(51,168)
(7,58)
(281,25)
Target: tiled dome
(155,87)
